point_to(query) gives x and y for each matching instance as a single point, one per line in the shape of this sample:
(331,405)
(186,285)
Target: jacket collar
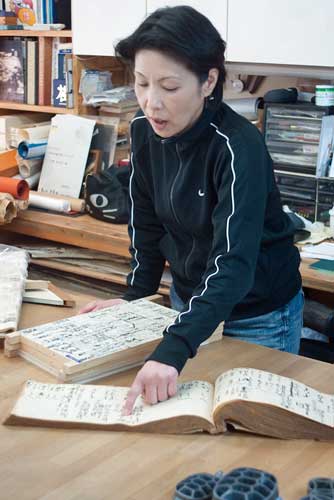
(196,131)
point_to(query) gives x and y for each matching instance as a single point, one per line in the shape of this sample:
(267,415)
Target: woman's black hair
(184,34)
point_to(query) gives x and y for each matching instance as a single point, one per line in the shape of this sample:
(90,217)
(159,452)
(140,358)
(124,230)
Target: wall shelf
(35,33)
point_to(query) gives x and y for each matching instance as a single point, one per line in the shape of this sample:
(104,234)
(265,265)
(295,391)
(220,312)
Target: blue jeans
(279,329)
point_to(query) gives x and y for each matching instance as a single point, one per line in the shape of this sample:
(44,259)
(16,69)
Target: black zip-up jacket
(206,201)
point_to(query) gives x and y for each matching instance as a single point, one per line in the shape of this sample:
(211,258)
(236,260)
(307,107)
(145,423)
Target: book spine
(44,67)
(6,13)
(11,27)
(44,11)
(61,62)
(54,70)
(31,71)
(69,80)
(24,43)
(12,21)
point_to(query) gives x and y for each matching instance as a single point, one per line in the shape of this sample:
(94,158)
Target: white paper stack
(322,251)
(14,269)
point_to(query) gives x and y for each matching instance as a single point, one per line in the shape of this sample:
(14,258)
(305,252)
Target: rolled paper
(21,204)
(27,168)
(19,188)
(31,150)
(8,210)
(32,181)
(77,204)
(57,205)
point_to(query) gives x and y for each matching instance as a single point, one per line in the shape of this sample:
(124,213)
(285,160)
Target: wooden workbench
(55,464)
(87,232)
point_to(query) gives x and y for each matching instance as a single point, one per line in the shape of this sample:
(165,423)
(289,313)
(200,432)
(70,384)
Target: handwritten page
(264,387)
(66,155)
(102,405)
(97,334)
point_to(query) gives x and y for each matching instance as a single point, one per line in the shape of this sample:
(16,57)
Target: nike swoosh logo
(201,193)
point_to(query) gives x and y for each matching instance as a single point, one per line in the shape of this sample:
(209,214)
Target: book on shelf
(90,346)
(12,63)
(5,19)
(40,11)
(10,27)
(59,93)
(32,71)
(244,399)
(69,80)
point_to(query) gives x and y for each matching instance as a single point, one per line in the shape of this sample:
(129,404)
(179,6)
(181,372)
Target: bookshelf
(44,40)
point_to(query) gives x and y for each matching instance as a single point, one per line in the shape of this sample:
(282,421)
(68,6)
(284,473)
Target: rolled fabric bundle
(27,168)
(76,204)
(18,188)
(57,205)
(31,150)
(8,210)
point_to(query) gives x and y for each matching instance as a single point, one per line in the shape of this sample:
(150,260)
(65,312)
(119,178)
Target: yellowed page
(102,405)
(260,386)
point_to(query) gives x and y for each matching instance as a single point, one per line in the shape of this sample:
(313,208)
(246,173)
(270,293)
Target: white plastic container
(324,95)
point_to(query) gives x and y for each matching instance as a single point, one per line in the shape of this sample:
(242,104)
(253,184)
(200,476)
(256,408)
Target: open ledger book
(248,399)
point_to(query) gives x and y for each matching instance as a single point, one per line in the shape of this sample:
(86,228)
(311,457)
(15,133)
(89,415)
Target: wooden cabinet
(215,10)
(298,32)
(98,25)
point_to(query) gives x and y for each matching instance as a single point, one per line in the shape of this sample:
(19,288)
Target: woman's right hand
(96,305)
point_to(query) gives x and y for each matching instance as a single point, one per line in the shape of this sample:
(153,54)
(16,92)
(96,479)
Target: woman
(203,197)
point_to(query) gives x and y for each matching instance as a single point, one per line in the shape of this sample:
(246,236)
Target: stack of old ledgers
(93,345)
(14,270)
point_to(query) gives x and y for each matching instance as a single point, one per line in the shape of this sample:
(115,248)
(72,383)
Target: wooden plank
(34,107)
(312,278)
(83,231)
(109,277)
(35,33)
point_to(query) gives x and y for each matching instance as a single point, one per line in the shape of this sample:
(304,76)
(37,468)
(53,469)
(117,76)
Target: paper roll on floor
(8,210)
(57,205)
(18,188)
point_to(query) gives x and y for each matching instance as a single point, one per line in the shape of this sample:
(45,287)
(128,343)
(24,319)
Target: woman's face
(168,93)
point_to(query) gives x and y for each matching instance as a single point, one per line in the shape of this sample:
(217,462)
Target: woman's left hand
(155,382)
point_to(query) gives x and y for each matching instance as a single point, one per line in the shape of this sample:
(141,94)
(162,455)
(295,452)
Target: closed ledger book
(242,398)
(90,346)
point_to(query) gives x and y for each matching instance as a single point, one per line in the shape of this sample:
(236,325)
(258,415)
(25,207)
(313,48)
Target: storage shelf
(35,107)
(35,33)
(82,231)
